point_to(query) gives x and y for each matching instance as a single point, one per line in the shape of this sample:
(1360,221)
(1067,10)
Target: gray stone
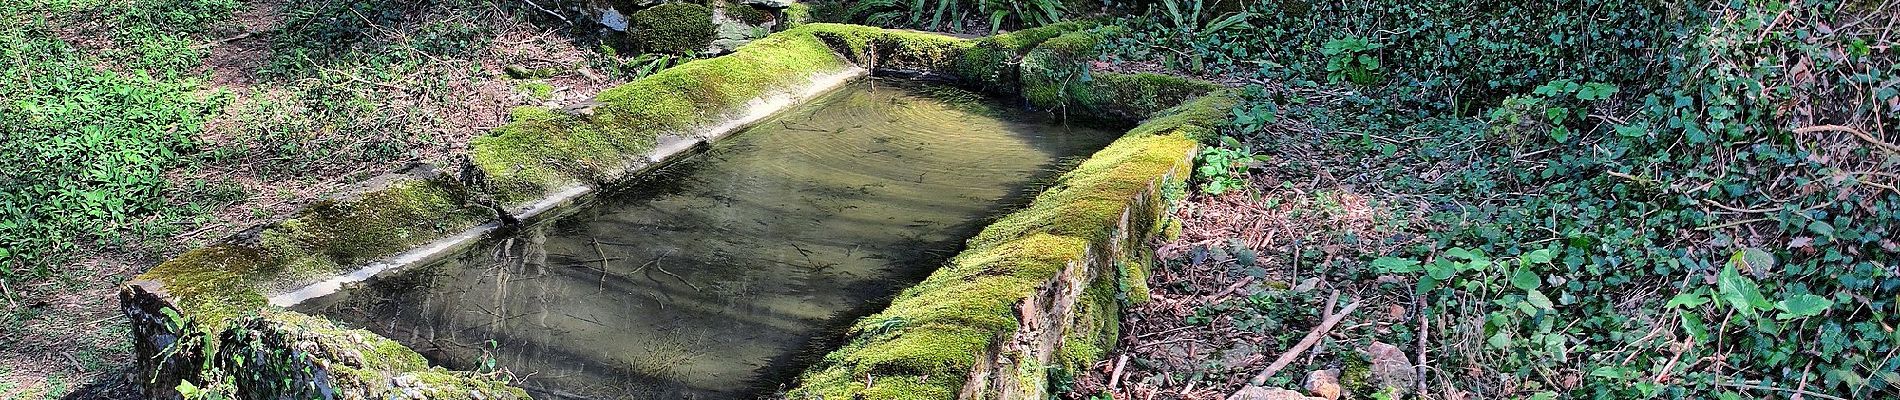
(1390,368)
(1261,393)
(613,19)
(768,3)
(730,33)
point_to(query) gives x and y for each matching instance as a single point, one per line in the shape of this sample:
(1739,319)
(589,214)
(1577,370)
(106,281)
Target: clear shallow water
(723,275)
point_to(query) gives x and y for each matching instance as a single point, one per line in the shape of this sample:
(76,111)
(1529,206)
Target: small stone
(1261,393)
(768,3)
(1323,383)
(1390,369)
(613,19)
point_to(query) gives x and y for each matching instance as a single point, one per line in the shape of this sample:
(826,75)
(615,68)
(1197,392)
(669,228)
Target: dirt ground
(67,338)
(1246,280)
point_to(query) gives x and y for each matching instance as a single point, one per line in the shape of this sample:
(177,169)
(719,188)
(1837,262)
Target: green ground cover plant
(1617,199)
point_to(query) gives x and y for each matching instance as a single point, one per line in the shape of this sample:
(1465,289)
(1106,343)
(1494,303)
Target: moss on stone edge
(893,50)
(796,15)
(216,284)
(926,344)
(291,355)
(1056,76)
(990,63)
(541,149)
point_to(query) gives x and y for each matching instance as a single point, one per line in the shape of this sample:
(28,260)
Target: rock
(613,19)
(1389,368)
(736,25)
(1323,383)
(1260,393)
(631,5)
(768,3)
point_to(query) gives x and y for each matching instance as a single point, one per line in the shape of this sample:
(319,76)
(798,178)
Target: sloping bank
(212,318)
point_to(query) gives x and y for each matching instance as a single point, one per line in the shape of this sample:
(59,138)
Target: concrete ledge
(182,307)
(1036,294)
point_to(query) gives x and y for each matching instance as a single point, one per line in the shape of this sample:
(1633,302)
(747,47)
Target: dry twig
(1311,338)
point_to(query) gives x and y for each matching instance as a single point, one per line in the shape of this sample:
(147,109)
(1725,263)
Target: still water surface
(723,275)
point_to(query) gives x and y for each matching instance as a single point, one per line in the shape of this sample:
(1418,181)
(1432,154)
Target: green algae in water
(722,276)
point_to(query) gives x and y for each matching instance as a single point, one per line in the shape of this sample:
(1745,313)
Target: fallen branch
(1116,377)
(1757,385)
(1332,301)
(1863,135)
(1308,342)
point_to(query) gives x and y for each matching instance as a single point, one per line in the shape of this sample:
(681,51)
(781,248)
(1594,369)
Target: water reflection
(712,280)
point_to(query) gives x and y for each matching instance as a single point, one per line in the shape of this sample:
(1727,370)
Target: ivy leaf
(1442,269)
(1632,130)
(1739,291)
(1693,324)
(1541,256)
(1821,228)
(1525,279)
(1595,91)
(1395,265)
(1758,261)
(1538,299)
(1687,300)
(1802,306)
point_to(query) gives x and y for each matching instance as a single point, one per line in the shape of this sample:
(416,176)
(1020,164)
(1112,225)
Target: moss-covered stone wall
(1036,294)
(1068,262)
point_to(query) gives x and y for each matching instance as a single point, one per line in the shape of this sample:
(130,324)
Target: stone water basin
(721,276)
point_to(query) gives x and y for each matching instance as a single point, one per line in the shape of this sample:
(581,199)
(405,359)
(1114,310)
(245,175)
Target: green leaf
(1757,260)
(1687,300)
(1632,130)
(1692,323)
(1499,341)
(1442,269)
(1525,279)
(1802,306)
(1395,265)
(1540,256)
(1595,91)
(1740,291)
(1538,299)
(1821,228)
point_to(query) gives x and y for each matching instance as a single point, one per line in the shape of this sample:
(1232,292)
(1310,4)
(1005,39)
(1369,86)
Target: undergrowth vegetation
(87,134)
(1617,199)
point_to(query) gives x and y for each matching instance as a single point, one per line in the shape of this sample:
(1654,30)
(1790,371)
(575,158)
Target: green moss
(1200,118)
(748,14)
(212,285)
(952,318)
(1088,202)
(349,232)
(540,149)
(287,355)
(1134,97)
(990,63)
(1056,76)
(673,28)
(536,89)
(797,14)
(216,284)
(1096,327)
(955,318)
(893,49)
